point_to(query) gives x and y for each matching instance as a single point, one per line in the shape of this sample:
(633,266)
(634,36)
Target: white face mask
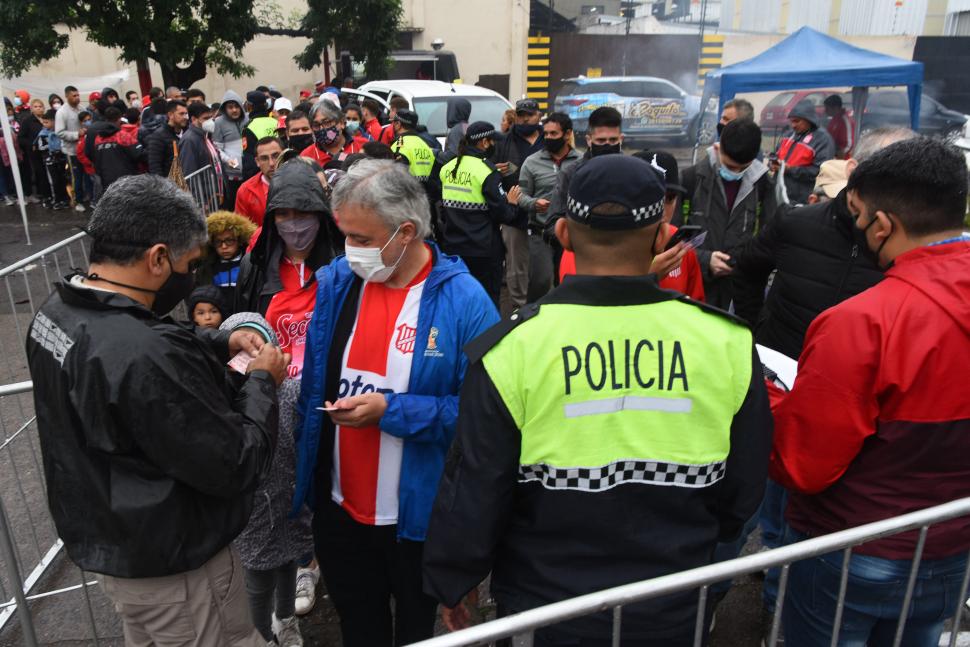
(209,126)
(366,262)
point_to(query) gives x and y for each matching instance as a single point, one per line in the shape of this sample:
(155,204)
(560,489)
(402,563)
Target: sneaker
(288,632)
(60,206)
(306,589)
(7,200)
(79,207)
(33,199)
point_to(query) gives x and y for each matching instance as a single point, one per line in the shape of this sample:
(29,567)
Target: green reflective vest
(420,155)
(262,127)
(463,190)
(635,394)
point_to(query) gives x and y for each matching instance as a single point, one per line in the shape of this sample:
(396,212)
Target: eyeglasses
(319,125)
(268,158)
(224,242)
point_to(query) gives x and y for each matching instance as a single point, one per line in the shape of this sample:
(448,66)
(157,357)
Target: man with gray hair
(379,400)
(820,259)
(151,454)
(330,141)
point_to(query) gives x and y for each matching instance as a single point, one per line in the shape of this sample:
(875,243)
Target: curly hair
(220,222)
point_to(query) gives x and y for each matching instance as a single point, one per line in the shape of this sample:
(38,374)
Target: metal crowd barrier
(29,546)
(522,626)
(205,188)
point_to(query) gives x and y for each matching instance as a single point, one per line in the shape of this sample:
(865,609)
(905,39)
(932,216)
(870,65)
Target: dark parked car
(891,108)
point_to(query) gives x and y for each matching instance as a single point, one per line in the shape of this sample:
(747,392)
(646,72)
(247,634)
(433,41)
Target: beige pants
(206,607)
(516,264)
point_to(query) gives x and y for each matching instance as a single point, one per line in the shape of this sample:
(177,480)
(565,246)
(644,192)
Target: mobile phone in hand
(683,234)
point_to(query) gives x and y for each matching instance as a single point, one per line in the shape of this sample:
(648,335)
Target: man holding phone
(731,196)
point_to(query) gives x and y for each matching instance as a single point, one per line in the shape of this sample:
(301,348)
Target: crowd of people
(348,404)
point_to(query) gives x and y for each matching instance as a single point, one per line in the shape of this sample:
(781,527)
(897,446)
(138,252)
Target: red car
(774,116)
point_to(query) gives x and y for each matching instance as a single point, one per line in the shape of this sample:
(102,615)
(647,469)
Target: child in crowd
(272,543)
(229,233)
(48,145)
(206,306)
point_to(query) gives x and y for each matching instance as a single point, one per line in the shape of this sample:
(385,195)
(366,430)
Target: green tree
(182,36)
(366,28)
(185,37)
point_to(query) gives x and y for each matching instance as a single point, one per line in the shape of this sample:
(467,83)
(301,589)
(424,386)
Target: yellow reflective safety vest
(262,127)
(644,393)
(462,188)
(419,154)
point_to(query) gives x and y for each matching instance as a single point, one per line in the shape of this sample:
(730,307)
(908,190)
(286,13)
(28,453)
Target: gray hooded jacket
(228,136)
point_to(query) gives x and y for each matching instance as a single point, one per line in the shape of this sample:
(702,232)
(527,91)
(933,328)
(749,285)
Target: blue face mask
(728,175)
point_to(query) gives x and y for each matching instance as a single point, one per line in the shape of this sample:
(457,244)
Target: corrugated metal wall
(882,17)
(810,13)
(760,16)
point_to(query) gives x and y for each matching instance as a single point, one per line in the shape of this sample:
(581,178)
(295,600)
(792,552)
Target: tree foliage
(186,36)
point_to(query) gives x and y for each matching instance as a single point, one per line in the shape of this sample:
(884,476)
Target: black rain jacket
(151,456)
(293,186)
(820,258)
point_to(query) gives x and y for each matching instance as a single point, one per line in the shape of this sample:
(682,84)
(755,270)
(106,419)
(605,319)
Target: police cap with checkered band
(616,179)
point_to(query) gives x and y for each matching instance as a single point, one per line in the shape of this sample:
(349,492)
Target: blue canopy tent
(810,59)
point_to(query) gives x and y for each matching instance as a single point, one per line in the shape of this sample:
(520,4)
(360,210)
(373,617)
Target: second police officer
(474,205)
(616,450)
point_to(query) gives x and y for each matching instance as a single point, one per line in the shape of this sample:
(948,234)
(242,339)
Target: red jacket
(323,157)
(878,422)
(842,129)
(373,128)
(686,279)
(251,198)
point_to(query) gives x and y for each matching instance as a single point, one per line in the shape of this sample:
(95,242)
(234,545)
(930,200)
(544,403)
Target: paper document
(785,367)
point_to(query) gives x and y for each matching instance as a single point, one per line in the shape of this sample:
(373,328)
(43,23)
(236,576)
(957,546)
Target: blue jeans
(772,518)
(873,599)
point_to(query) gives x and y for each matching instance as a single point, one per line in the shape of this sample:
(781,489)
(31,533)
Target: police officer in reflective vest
(411,146)
(611,433)
(474,206)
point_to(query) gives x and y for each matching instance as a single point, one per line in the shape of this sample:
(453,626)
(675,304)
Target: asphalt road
(63,620)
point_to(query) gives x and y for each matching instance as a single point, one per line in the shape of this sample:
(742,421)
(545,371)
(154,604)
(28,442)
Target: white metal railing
(523,625)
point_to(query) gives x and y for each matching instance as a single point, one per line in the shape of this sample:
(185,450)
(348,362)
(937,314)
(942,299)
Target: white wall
(487,36)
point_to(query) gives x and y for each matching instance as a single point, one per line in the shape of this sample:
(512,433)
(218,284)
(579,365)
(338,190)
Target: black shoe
(60,206)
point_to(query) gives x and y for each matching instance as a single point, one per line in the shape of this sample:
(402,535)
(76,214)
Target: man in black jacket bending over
(821,260)
(150,453)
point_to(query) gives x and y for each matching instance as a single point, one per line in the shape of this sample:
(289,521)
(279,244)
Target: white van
(430,100)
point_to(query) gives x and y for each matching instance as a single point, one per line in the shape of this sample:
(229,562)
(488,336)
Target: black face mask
(554,145)
(300,142)
(176,287)
(595,150)
(490,151)
(525,130)
(871,254)
(720,128)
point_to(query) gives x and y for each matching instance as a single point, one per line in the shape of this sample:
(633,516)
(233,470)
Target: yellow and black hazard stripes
(537,72)
(712,55)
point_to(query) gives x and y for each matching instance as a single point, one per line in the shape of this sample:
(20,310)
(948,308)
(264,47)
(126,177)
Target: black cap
(527,105)
(207,294)
(480,130)
(618,179)
(666,164)
(407,118)
(257,98)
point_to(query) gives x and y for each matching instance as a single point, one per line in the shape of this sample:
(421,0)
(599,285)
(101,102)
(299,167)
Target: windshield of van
(433,112)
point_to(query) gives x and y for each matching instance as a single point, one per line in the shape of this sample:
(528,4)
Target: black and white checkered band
(639,217)
(471,206)
(490,134)
(597,479)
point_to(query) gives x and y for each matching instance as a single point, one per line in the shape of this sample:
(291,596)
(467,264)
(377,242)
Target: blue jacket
(456,306)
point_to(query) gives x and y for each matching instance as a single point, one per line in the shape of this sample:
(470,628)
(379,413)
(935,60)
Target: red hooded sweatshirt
(878,421)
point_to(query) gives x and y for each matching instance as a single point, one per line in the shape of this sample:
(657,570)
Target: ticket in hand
(241,361)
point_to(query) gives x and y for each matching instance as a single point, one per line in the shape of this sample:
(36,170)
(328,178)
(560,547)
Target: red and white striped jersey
(367,461)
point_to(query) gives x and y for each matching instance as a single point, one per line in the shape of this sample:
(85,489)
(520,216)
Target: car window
(781,100)
(890,100)
(815,98)
(433,112)
(570,88)
(654,89)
